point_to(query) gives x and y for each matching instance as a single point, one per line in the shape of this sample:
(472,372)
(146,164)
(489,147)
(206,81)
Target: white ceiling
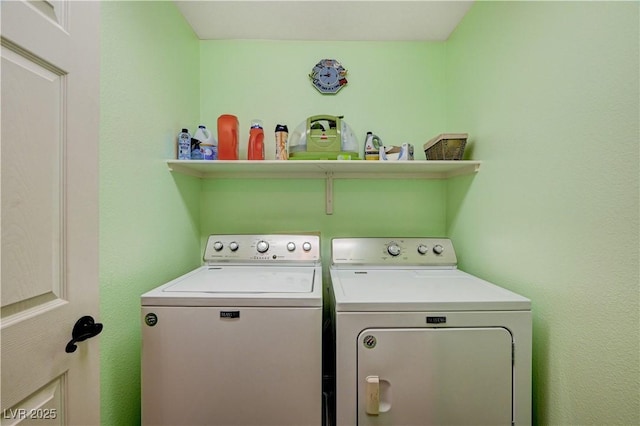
(328,20)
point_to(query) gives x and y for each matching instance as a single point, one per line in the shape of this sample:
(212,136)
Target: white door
(435,376)
(49,196)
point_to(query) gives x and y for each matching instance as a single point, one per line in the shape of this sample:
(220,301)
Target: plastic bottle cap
(185,131)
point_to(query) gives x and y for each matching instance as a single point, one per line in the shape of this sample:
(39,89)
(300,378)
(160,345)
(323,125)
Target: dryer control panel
(401,251)
(270,248)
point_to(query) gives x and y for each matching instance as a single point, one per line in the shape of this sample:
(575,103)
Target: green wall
(149,218)
(549,92)
(395,89)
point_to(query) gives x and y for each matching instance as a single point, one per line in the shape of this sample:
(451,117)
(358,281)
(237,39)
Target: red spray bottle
(255,150)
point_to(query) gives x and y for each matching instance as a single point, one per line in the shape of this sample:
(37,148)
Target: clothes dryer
(419,342)
(237,341)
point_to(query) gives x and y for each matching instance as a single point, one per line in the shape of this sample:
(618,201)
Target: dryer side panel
(435,376)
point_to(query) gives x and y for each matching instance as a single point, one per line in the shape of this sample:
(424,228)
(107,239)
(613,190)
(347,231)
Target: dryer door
(435,376)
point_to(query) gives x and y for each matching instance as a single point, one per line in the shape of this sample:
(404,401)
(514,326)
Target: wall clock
(328,76)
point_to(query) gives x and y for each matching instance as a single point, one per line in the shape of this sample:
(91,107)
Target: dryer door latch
(373,395)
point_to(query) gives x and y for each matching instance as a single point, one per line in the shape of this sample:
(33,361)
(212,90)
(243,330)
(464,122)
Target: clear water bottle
(184,145)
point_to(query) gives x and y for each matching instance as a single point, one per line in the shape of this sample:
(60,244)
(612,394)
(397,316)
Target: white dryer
(237,341)
(419,342)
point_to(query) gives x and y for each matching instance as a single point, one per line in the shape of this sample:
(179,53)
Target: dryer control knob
(422,249)
(393,249)
(233,246)
(438,249)
(262,246)
(291,246)
(306,246)
(217,246)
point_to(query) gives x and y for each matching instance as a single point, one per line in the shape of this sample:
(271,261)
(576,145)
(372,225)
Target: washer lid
(231,279)
(248,286)
(411,290)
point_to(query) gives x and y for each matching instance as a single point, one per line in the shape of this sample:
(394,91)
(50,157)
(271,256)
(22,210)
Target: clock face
(328,76)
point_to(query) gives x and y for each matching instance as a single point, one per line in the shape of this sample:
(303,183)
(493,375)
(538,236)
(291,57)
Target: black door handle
(85,328)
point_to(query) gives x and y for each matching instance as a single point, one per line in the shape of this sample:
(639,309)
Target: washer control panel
(403,251)
(240,248)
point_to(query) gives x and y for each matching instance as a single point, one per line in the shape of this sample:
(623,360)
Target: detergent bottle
(207,143)
(184,145)
(372,146)
(196,152)
(228,137)
(255,150)
(282,143)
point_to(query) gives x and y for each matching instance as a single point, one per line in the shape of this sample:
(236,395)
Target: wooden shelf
(323,168)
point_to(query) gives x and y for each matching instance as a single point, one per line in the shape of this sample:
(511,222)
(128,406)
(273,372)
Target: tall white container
(208,144)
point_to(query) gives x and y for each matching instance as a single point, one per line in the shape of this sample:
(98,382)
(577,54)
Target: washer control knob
(438,249)
(422,249)
(262,246)
(291,246)
(217,246)
(233,246)
(306,246)
(393,249)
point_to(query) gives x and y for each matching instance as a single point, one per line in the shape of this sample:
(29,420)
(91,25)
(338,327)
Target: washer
(419,342)
(237,341)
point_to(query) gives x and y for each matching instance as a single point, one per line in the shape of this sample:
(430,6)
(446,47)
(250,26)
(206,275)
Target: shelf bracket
(328,193)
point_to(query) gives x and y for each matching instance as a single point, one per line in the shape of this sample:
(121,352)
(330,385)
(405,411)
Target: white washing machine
(237,341)
(419,342)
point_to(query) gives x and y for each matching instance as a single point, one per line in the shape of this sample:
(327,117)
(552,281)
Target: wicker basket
(447,146)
